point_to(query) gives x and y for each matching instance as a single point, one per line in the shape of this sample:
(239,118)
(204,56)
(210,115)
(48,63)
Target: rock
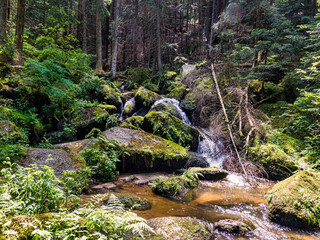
(130,178)
(129,108)
(189,102)
(141,112)
(294,202)
(168,126)
(210,173)
(134,203)
(103,187)
(147,152)
(77,146)
(145,98)
(188,68)
(165,107)
(178,92)
(180,228)
(136,121)
(111,96)
(59,160)
(9,131)
(138,75)
(196,160)
(275,161)
(126,96)
(232,226)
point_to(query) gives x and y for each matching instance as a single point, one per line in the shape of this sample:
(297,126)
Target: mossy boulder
(10,132)
(196,160)
(232,226)
(172,128)
(111,96)
(294,202)
(180,228)
(209,173)
(147,152)
(165,107)
(136,121)
(129,108)
(278,164)
(59,160)
(145,98)
(189,102)
(77,146)
(131,202)
(178,92)
(138,75)
(126,96)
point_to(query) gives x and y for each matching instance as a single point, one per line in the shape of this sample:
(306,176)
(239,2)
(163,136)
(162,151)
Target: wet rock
(145,98)
(9,131)
(168,126)
(210,173)
(165,107)
(129,108)
(111,96)
(103,187)
(180,228)
(232,226)
(294,202)
(196,160)
(147,152)
(130,178)
(59,160)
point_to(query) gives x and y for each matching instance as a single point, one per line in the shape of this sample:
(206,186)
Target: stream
(230,198)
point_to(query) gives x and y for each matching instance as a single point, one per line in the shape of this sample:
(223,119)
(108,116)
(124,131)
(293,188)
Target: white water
(211,150)
(124,106)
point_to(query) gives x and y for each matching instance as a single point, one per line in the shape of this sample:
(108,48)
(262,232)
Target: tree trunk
(4,17)
(84,26)
(158,12)
(20,28)
(99,70)
(211,29)
(115,41)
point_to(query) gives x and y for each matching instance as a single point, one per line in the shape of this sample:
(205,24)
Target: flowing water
(230,198)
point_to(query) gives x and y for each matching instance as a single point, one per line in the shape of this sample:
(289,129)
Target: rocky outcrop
(144,151)
(209,173)
(180,228)
(294,202)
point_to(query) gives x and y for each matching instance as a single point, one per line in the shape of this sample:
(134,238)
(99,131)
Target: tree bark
(20,28)
(4,17)
(211,29)
(158,12)
(84,26)
(99,69)
(115,41)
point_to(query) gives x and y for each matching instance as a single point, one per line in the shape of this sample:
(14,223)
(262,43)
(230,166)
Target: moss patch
(295,202)
(145,97)
(10,132)
(111,96)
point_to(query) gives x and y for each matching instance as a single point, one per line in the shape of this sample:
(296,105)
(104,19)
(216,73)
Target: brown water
(232,198)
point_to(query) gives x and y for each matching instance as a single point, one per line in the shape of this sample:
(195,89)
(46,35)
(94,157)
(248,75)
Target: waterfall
(211,150)
(176,104)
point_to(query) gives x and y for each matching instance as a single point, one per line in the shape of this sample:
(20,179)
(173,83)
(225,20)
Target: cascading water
(211,150)
(124,106)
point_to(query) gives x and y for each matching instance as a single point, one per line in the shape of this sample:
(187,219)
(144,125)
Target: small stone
(105,186)
(232,226)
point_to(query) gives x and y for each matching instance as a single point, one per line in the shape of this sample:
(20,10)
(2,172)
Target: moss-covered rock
(57,159)
(196,160)
(180,228)
(144,151)
(126,96)
(77,146)
(178,92)
(294,202)
(132,202)
(129,108)
(111,96)
(138,75)
(165,107)
(145,98)
(136,121)
(10,132)
(189,102)
(209,173)
(232,226)
(172,128)
(275,161)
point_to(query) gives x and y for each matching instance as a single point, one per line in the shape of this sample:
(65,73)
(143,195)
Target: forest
(160,119)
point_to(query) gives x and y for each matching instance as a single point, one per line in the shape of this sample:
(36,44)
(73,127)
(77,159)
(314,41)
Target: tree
(158,12)
(84,25)
(20,28)
(99,69)
(4,17)
(115,41)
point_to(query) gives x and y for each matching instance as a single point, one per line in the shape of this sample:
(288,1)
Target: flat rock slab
(210,173)
(104,186)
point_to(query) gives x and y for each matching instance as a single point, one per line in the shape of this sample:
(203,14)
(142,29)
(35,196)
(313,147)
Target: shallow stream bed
(232,198)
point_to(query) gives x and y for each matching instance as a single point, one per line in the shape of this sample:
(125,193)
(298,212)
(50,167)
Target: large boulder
(172,128)
(10,132)
(129,108)
(180,228)
(178,92)
(145,98)
(165,107)
(196,160)
(146,152)
(294,202)
(111,96)
(59,160)
(209,173)
(77,147)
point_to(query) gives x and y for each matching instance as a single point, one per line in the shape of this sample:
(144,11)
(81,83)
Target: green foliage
(103,160)
(11,153)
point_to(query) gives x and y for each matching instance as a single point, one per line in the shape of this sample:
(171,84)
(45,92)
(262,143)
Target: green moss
(170,127)
(130,126)
(138,75)
(145,97)
(275,161)
(9,132)
(178,92)
(295,201)
(165,107)
(190,101)
(111,96)
(136,121)
(210,173)
(289,145)
(134,202)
